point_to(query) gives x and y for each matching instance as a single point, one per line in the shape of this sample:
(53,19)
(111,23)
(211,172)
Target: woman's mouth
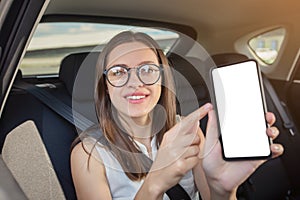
(136,98)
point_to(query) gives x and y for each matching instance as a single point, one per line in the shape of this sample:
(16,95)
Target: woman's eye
(148,69)
(118,72)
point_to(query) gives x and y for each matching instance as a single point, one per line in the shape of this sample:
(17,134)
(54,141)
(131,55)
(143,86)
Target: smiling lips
(136,98)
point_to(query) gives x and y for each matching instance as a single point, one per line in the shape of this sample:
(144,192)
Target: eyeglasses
(118,76)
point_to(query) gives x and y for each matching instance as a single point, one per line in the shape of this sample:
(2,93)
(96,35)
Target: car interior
(51,99)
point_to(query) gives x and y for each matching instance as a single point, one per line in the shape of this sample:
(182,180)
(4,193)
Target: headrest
(191,89)
(70,66)
(228,58)
(186,66)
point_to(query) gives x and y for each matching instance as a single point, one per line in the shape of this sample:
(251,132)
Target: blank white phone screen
(240,110)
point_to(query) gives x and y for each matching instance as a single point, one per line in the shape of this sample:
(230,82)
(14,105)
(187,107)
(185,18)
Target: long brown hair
(120,143)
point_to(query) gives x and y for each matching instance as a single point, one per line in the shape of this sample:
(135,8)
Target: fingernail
(208,106)
(276,148)
(273,131)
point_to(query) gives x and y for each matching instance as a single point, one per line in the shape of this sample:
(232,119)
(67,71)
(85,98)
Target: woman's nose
(134,80)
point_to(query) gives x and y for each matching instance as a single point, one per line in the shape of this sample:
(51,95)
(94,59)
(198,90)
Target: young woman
(135,103)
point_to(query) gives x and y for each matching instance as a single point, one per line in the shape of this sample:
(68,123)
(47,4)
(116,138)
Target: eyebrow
(141,63)
(146,62)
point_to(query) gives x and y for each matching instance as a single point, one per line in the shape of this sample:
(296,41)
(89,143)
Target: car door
(17,22)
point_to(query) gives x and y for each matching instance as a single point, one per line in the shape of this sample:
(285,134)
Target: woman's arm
(90,183)
(201,181)
(178,154)
(198,172)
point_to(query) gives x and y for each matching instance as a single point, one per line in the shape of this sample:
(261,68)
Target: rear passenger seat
(269,182)
(56,133)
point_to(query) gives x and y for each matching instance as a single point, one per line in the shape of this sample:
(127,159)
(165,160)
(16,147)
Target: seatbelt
(290,158)
(56,105)
(287,123)
(177,192)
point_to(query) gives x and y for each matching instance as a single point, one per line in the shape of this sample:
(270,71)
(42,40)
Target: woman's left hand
(224,177)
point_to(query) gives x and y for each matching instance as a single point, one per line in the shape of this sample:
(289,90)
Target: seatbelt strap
(177,192)
(287,123)
(56,105)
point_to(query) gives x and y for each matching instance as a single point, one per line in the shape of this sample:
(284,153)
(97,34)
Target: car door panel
(17,22)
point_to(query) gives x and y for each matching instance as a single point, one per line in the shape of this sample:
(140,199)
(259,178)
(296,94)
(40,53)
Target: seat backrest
(25,155)
(56,133)
(72,65)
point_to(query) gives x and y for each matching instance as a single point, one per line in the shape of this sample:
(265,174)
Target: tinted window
(267,45)
(53,41)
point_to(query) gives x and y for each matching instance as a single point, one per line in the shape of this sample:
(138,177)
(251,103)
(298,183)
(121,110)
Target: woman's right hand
(177,154)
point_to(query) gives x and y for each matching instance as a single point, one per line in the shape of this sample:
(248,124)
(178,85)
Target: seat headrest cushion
(228,58)
(71,64)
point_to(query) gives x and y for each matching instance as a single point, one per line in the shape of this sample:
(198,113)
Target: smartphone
(240,107)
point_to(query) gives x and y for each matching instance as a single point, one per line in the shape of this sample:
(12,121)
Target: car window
(267,45)
(53,41)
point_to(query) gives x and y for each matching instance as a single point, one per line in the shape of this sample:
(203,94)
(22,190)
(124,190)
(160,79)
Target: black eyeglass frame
(136,71)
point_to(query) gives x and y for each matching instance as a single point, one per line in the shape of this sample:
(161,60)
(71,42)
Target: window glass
(53,41)
(266,46)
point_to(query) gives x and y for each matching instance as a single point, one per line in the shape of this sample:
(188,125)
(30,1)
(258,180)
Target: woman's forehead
(132,51)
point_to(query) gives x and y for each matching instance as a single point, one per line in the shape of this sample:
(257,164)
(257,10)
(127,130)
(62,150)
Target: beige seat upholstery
(25,155)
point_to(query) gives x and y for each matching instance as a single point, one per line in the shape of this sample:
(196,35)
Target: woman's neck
(139,128)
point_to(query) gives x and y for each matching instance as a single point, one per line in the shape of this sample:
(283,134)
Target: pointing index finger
(196,115)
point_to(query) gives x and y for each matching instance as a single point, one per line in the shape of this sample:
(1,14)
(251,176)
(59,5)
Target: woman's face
(135,99)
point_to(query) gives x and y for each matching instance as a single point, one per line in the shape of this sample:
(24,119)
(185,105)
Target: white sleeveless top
(122,188)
